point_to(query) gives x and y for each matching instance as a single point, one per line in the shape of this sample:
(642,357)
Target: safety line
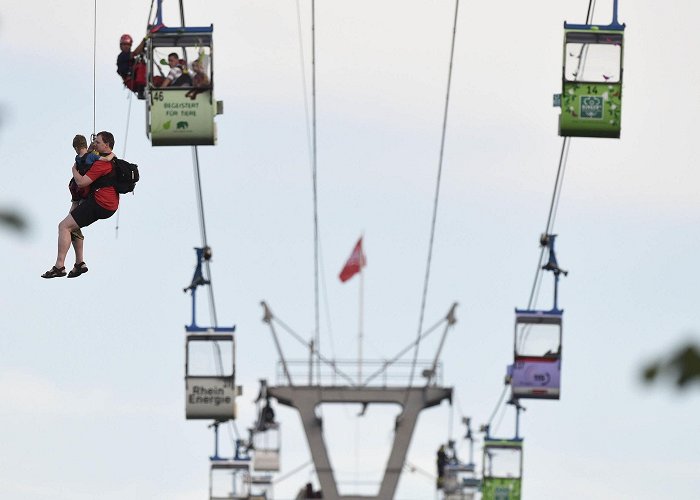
(126,136)
(437,196)
(128,120)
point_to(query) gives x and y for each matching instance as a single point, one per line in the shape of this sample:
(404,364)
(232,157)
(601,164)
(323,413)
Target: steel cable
(437,197)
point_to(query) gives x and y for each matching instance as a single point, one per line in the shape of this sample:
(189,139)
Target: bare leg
(64,229)
(77,238)
(78,247)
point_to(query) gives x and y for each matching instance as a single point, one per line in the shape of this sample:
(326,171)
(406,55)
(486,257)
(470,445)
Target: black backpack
(126,175)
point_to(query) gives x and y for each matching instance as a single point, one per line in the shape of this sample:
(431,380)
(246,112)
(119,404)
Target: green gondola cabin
(503,469)
(591,98)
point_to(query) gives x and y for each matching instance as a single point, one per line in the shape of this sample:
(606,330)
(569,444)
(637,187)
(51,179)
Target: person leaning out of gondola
(130,66)
(101,203)
(200,81)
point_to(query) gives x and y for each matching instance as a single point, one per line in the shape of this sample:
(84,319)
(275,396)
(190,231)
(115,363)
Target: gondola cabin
(266,449)
(536,369)
(210,390)
(229,480)
(591,99)
(459,482)
(180,104)
(261,487)
(503,469)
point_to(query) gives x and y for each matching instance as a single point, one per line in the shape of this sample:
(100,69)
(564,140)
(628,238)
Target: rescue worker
(130,66)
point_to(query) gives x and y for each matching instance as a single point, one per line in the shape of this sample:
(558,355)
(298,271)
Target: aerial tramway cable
(554,203)
(553,206)
(559,180)
(437,197)
(311,153)
(314,175)
(203,233)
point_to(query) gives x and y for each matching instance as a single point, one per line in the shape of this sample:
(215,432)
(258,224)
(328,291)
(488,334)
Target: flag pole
(361,321)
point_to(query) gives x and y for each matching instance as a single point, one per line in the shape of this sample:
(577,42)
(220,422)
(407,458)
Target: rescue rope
(94,70)
(126,136)
(437,196)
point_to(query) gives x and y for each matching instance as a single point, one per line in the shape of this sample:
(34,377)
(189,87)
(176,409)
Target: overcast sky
(91,370)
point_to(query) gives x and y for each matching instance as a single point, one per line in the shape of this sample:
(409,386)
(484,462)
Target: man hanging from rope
(101,203)
(83,161)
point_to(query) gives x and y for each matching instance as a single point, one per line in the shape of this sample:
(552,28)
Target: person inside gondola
(131,67)
(176,77)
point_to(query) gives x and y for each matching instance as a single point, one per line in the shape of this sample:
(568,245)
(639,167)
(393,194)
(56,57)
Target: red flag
(355,263)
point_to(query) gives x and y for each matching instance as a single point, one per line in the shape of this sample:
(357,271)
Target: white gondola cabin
(210,376)
(266,449)
(261,487)
(229,480)
(536,371)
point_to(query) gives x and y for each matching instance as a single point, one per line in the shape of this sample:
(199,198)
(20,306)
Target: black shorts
(89,211)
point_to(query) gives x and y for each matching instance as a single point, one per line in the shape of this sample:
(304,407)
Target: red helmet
(126,39)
